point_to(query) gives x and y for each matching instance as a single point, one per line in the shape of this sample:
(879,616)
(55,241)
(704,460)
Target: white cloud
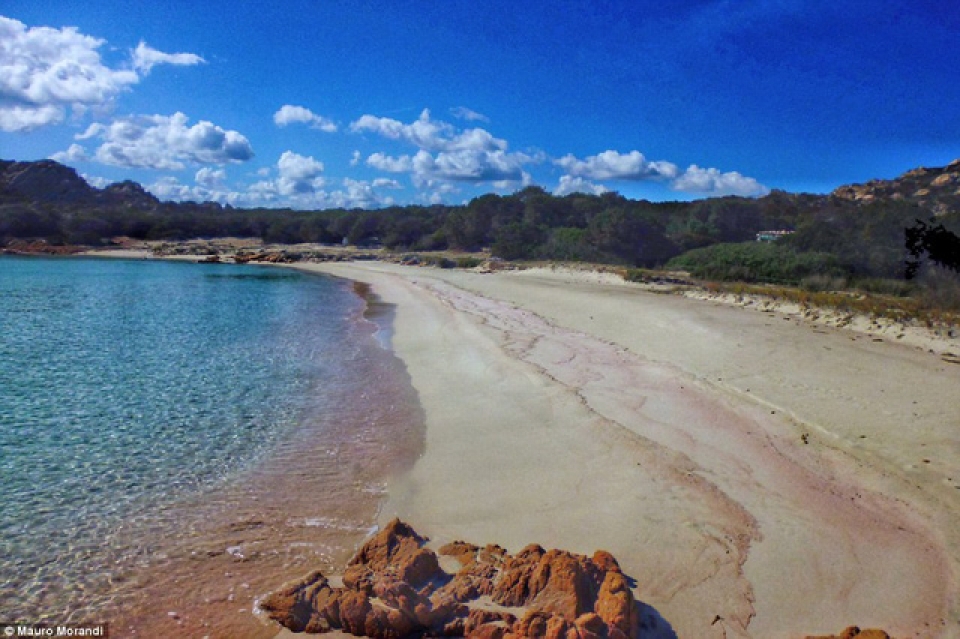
(96,181)
(402,164)
(44,71)
(146,57)
(612,165)
(170,188)
(633,166)
(209,186)
(314,194)
(444,152)
(570,184)
(210,178)
(472,165)
(514,185)
(463,113)
(456,166)
(355,158)
(75,153)
(428,134)
(713,182)
(166,142)
(386,183)
(298,167)
(299,174)
(290,114)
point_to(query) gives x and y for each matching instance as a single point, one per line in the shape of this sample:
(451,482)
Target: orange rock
(488,631)
(293,606)
(557,582)
(358,577)
(354,608)
(396,539)
(557,628)
(418,568)
(591,626)
(605,561)
(465,553)
(615,604)
(532,624)
(394,587)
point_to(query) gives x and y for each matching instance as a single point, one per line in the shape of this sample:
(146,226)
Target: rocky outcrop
(268,257)
(395,587)
(935,188)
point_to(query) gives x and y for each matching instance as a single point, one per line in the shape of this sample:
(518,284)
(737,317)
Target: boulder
(395,587)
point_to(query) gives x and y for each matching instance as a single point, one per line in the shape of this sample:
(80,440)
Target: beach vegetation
(759,262)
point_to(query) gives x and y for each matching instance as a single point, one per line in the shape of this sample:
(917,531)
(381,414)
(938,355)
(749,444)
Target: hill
(858,231)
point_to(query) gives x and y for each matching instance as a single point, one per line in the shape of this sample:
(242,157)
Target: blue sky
(315,104)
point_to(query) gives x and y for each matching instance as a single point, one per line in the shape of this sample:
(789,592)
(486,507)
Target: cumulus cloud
(463,113)
(301,184)
(96,181)
(612,165)
(146,57)
(713,182)
(429,134)
(210,177)
(571,184)
(633,166)
(386,183)
(445,153)
(290,114)
(166,142)
(75,153)
(44,71)
(298,174)
(402,164)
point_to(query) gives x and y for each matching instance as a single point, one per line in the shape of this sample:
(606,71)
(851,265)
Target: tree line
(712,237)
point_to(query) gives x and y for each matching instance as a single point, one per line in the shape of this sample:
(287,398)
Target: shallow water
(151,412)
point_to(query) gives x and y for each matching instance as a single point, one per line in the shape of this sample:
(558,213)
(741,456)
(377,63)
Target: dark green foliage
(568,244)
(935,242)
(869,239)
(756,262)
(867,234)
(516,241)
(468,262)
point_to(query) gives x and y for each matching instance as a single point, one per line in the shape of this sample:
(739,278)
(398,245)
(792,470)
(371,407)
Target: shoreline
(200,562)
(516,460)
(942,340)
(787,498)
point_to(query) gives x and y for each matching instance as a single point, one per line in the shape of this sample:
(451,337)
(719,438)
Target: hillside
(937,189)
(858,231)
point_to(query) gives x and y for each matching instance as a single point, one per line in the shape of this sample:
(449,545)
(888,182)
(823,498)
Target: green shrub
(757,262)
(469,262)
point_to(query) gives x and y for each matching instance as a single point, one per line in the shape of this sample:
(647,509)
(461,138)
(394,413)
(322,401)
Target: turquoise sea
(128,386)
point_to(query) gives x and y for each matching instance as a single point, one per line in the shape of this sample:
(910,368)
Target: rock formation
(395,587)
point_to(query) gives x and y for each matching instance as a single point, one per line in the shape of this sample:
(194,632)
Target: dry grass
(920,307)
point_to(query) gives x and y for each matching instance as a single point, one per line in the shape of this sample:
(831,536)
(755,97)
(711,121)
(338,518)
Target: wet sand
(758,476)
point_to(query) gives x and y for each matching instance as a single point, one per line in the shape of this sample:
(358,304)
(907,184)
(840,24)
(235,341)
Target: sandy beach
(759,476)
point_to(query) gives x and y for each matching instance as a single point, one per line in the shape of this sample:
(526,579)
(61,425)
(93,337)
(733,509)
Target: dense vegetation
(834,236)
